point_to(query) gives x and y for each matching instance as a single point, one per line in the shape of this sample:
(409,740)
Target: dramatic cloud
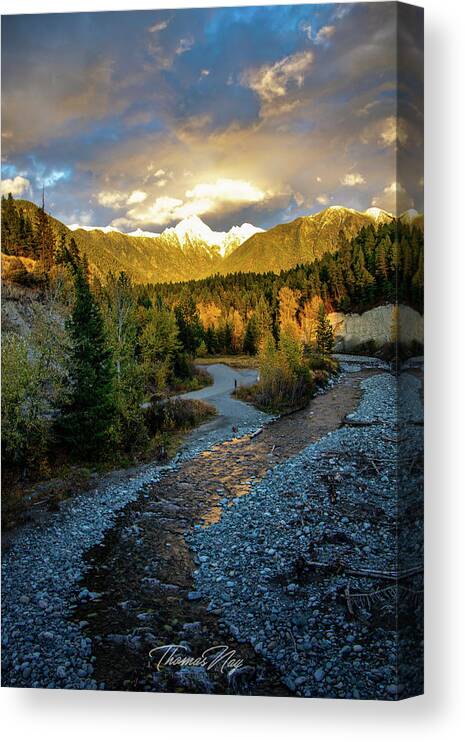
(17,186)
(245,114)
(204,198)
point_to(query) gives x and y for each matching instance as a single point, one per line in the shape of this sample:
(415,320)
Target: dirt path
(143,571)
(231,411)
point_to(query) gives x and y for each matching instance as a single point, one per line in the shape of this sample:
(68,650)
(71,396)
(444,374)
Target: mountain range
(192,250)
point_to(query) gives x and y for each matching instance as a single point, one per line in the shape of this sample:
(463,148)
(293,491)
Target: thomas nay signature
(219,657)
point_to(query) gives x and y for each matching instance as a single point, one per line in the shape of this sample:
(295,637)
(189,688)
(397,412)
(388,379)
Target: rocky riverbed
(44,567)
(261,544)
(307,566)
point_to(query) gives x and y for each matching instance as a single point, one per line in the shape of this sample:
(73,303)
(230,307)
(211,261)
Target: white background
(83,715)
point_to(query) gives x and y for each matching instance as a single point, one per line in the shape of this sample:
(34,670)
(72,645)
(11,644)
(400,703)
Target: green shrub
(288,377)
(320,362)
(25,428)
(177,414)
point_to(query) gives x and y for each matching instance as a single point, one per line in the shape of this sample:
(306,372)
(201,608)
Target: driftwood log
(340,568)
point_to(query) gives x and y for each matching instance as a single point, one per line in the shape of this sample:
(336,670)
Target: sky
(139,119)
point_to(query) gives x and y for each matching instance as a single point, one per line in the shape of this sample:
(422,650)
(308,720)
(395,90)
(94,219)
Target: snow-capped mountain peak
(142,233)
(379,215)
(193,228)
(106,230)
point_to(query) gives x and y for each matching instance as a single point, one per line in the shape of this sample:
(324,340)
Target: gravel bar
(337,502)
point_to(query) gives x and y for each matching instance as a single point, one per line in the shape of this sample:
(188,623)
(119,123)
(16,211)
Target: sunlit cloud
(117,199)
(352,179)
(203,198)
(394,131)
(111,199)
(273,81)
(324,34)
(162,211)
(17,186)
(136,197)
(225,189)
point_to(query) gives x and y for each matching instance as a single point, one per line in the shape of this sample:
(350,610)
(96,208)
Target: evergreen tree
(211,340)
(190,328)
(10,226)
(250,337)
(45,239)
(160,344)
(324,332)
(381,262)
(88,417)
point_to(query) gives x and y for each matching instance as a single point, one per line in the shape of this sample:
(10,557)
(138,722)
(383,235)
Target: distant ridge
(192,250)
(191,229)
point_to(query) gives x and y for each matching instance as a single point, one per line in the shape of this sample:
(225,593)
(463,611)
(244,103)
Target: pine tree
(324,332)
(160,345)
(88,417)
(381,262)
(45,239)
(211,340)
(10,226)
(250,337)
(190,328)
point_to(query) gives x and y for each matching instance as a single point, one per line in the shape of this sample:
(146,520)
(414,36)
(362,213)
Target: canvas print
(212,351)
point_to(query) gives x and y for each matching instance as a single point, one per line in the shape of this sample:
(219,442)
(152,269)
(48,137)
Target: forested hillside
(301,241)
(175,256)
(379,265)
(144,259)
